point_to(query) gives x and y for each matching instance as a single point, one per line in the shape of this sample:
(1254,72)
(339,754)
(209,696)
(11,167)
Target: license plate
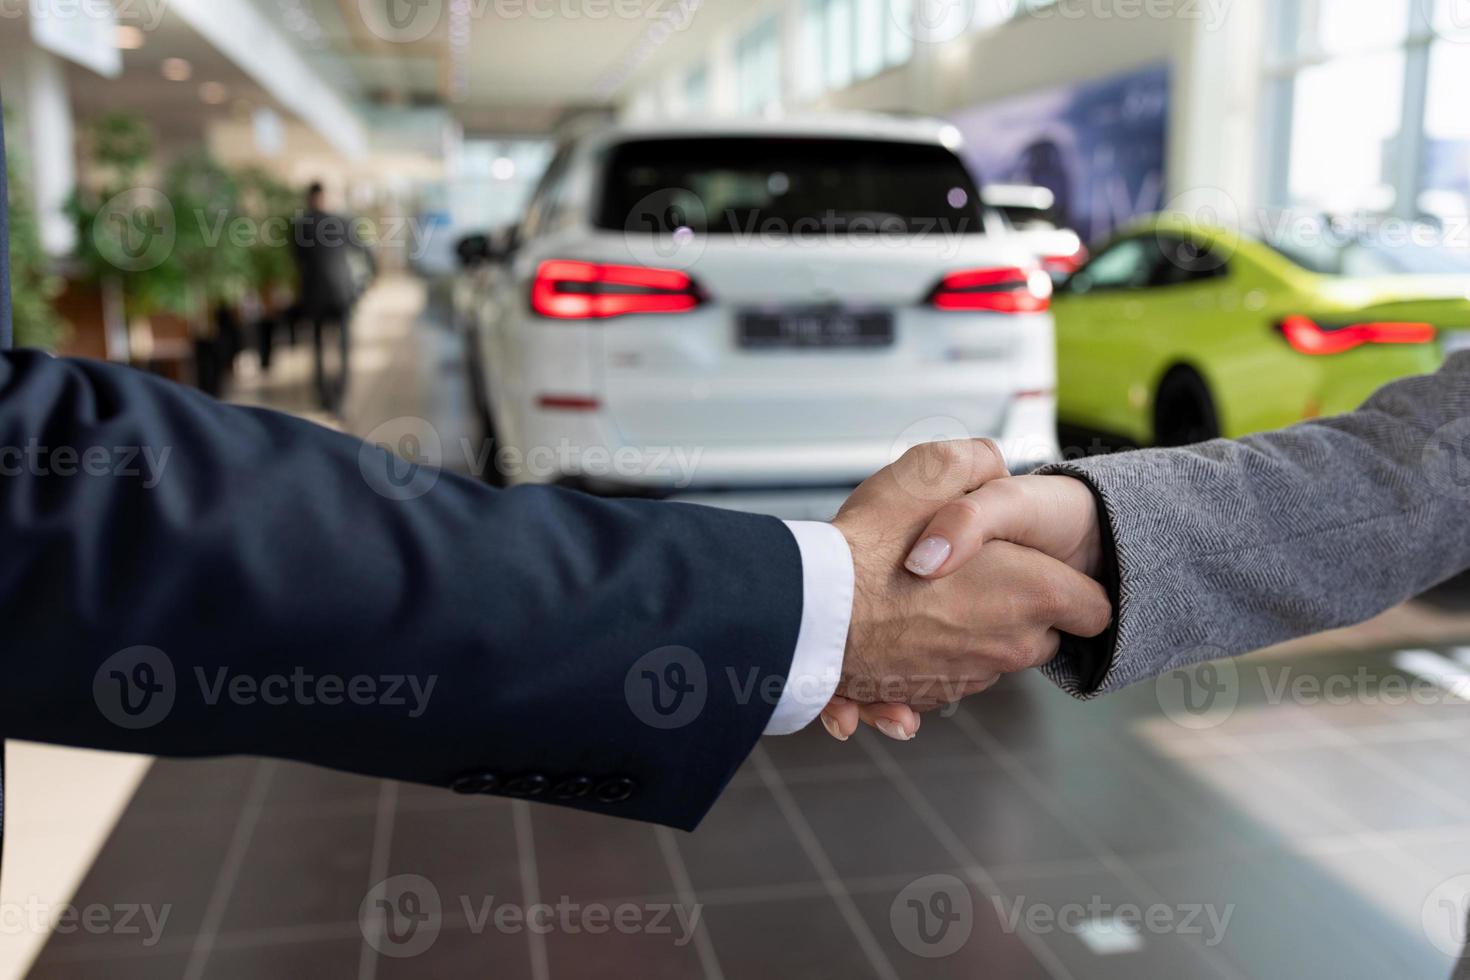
(825,328)
(1455,341)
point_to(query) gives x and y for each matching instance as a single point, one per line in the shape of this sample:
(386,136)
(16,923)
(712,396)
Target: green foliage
(32,284)
(213,237)
(121,142)
(270,205)
(109,211)
(203,236)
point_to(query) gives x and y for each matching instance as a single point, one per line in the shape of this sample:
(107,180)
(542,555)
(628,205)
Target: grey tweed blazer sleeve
(1232,545)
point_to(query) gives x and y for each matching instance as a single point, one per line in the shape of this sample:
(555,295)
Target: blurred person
(324,246)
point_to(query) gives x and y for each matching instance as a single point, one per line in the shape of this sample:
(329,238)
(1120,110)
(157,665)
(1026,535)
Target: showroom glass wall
(1367,103)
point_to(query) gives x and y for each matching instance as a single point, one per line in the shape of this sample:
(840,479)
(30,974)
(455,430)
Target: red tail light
(1011,290)
(1065,265)
(568,290)
(1307,336)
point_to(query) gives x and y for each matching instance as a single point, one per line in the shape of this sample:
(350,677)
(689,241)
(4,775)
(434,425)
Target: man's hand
(925,644)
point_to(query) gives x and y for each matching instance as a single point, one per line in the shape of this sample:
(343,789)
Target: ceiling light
(213,93)
(503,168)
(177,70)
(129,38)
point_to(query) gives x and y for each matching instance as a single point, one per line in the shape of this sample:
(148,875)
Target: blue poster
(1099,146)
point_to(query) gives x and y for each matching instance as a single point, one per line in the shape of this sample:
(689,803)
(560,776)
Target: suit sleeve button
(615,790)
(476,782)
(572,788)
(527,785)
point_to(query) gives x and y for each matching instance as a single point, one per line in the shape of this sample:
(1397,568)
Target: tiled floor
(1290,843)
(1268,833)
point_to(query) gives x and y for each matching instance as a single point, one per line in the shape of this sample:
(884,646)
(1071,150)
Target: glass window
(742,185)
(839,43)
(758,68)
(811,46)
(1126,265)
(696,91)
(1444,171)
(1345,124)
(1330,27)
(899,46)
(869,21)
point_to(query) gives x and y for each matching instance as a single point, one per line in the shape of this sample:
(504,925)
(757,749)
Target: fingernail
(831,727)
(893,730)
(927,556)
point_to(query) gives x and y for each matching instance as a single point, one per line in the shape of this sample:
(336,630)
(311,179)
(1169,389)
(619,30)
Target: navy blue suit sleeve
(187,578)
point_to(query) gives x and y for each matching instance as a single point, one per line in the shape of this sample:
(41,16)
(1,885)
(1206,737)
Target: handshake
(962,573)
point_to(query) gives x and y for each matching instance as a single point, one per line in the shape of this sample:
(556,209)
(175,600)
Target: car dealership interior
(743,255)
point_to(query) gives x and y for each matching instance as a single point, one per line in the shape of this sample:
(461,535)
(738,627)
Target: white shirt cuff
(826,610)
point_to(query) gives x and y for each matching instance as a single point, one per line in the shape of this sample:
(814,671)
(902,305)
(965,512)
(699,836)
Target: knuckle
(943,455)
(966,512)
(988,458)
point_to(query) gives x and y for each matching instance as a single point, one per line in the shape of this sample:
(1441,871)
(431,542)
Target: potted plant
(33,285)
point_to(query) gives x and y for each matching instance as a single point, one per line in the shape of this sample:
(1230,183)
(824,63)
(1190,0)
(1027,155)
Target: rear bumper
(583,449)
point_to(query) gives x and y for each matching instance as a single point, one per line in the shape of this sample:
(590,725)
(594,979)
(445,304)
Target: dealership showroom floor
(1312,821)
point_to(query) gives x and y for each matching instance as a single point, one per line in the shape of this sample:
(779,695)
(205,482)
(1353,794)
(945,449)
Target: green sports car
(1176,332)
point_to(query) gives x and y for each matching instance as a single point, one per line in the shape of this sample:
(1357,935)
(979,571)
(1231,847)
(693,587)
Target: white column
(36,87)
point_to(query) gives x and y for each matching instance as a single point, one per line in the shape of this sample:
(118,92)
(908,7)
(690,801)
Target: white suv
(761,304)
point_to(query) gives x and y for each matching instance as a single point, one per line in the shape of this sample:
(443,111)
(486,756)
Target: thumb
(1055,515)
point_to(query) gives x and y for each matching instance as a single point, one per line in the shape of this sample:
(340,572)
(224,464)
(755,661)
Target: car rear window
(748,185)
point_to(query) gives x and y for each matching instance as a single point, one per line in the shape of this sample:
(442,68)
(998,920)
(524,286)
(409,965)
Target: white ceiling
(526,60)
